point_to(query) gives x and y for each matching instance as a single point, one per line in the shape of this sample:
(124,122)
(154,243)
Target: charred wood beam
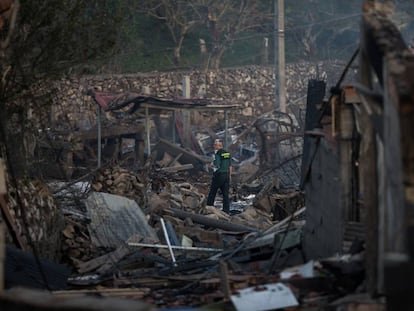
(380,38)
(206,221)
(316,93)
(399,152)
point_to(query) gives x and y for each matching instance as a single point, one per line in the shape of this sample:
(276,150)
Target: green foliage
(247,50)
(50,38)
(53,37)
(322,29)
(315,30)
(92,36)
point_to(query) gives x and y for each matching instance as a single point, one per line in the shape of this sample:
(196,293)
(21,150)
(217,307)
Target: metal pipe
(187,248)
(147,130)
(164,229)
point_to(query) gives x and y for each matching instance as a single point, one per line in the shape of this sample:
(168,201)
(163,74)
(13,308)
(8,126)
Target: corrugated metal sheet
(114,219)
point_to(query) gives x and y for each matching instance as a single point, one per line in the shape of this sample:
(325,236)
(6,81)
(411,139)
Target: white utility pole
(282,65)
(275,55)
(279,55)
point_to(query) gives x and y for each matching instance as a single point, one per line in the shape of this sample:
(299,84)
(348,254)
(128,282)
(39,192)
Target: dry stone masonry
(250,87)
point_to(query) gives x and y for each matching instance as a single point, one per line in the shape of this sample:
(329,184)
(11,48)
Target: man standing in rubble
(222,170)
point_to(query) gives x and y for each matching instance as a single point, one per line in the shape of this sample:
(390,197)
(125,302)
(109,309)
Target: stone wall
(250,87)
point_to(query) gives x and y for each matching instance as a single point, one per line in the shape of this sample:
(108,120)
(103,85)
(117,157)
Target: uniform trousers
(220,181)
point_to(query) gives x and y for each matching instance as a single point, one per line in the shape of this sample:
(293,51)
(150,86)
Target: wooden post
(186,115)
(224,274)
(139,148)
(146,91)
(266,51)
(369,191)
(346,154)
(368,156)
(393,207)
(203,54)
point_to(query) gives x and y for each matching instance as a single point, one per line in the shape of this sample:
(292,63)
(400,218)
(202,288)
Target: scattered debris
(264,297)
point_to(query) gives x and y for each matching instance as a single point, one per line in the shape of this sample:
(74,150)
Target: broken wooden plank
(152,283)
(280,224)
(187,156)
(110,258)
(176,168)
(211,238)
(106,292)
(224,273)
(173,162)
(3,185)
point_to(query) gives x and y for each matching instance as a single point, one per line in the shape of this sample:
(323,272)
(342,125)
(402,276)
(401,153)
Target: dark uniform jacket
(222,161)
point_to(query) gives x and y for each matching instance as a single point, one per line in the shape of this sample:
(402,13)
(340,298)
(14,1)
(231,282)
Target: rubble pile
(146,233)
(171,249)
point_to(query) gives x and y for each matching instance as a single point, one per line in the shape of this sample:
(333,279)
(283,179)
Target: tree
(50,38)
(322,28)
(53,37)
(221,20)
(227,19)
(179,18)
